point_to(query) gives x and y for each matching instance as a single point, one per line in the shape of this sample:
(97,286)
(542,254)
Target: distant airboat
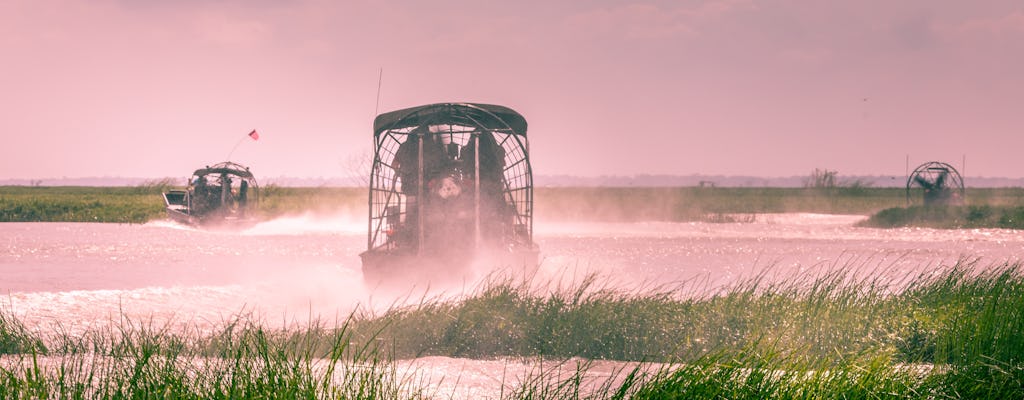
(224,195)
(451,185)
(938,182)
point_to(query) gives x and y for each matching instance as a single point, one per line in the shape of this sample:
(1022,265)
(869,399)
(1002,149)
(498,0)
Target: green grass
(949,217)
(818,317)
(1001,207)
(277,201)
(955,333)
(241,360)
(145,203)
(80,204)
(15,338)
(695,203)
(709,204)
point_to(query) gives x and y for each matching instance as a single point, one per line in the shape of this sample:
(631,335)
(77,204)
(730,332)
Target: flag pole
(251,135)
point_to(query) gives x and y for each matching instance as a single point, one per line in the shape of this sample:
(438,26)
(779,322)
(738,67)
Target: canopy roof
(226,167)
(489,116)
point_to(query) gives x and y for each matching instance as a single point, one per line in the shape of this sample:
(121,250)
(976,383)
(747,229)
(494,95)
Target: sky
(150,88)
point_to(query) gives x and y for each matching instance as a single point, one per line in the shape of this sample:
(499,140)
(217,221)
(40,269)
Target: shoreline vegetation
(887,207)
(951,333)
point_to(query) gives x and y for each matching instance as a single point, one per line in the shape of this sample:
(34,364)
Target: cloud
(1011,24)
(226,28)
(640,21)
(914,33)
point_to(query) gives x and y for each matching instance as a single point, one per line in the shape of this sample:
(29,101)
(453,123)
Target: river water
(83,275)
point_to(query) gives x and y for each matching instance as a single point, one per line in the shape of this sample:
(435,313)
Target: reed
(953,332)
(15,338)
(138,359)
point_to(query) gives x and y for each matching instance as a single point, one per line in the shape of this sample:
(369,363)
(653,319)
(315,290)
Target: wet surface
(313,263)
(80,276)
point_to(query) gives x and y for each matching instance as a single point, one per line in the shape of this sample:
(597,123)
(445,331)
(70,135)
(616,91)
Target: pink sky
(147,88)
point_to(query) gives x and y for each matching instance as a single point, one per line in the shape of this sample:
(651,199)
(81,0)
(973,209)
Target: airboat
(940,184)
(451,189)
(223,195)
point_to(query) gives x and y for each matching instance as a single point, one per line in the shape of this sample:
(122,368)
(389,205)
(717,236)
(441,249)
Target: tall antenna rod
(907,169)
(380,78)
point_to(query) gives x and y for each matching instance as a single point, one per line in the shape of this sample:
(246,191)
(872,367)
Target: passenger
(226,197)
(494,210)
(492,160)
(406,162)
(243,196)
(200,195)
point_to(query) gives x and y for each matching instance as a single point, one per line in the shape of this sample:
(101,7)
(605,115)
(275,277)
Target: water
(80,275)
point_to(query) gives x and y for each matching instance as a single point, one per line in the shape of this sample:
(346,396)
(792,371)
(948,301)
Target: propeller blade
(940,181)
(922,181)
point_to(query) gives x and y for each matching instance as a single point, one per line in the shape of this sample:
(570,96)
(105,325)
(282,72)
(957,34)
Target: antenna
(239,143)
(380,78)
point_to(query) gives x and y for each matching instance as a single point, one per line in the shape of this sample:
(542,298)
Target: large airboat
(222,195)
(450,188)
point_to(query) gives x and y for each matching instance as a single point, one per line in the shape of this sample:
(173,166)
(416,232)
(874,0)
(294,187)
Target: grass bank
(144,203)
(958,333)
(705,204)
(949,217)
(80,204)
(607,204)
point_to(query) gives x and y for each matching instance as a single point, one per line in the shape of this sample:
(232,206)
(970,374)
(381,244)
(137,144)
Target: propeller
(921,180)
(938,183)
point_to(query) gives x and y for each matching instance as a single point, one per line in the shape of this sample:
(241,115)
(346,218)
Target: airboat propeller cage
(450,176)
(243,181)
(222,193)
(940,182)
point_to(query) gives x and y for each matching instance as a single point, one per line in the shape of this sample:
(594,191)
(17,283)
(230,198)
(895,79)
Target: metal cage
(940,184)
(225,192)
(448,179)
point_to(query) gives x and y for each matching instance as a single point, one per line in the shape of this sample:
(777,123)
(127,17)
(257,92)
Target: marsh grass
(949,217)
(79,204)
(955,332)
(241,360)
(144,203)
(279,201)
(15,338)
(715,204)
(705,204)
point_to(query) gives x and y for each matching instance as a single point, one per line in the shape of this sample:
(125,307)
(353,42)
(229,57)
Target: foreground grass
(241,360)
(958,333)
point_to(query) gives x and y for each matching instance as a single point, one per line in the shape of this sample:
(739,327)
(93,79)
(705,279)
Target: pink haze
(769,88)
